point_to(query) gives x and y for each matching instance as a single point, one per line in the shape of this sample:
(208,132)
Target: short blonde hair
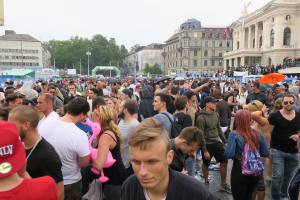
(148,131)
(255,106)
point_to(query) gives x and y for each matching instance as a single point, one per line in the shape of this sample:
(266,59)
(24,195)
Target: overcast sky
(128,21)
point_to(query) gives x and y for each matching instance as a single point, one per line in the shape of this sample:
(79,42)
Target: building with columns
(266,36)
(196,49)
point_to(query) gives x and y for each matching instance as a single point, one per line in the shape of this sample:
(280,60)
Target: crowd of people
(57,138)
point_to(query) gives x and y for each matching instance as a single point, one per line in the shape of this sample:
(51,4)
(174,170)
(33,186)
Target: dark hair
(94,90)
(77,106)
(256,84)
(163,97)
(131,106)
(13,97)
(180,102)
(174,90)
(127,92)
(168,100)
(4,111)
(189,94)
(98,101)
(192,134)
(218,94)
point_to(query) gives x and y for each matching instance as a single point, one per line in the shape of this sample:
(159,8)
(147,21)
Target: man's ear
(170,156)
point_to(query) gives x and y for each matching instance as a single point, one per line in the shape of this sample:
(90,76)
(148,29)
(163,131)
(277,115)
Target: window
(260,41)
(205,62)
(195,52)
(228,44)
(272,37)
(212,62)
(206,43)
(253,43)
(273,19)
(195,63)
(220,44)
(287,36)
(220,54)
(203,35)
(288,17)
(220,63)
(238,45)
(213,52)
(205,53)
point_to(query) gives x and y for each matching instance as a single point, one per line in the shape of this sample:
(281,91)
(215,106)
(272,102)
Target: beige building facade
(267,36)
(21,51)
(196,49)
(141,56)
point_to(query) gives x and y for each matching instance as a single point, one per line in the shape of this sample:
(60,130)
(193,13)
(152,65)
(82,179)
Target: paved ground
(214,185)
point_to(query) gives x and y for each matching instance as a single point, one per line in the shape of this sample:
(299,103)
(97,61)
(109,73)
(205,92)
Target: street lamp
(88,53)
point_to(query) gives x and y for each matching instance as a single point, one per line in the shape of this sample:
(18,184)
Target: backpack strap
(165,114)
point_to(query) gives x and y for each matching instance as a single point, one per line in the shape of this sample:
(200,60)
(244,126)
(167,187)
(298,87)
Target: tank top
(116,173)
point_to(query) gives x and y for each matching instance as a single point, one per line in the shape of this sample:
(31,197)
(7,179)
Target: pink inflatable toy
(94,152)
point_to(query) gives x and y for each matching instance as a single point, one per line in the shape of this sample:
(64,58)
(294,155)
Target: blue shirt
(86,128)
(235,146)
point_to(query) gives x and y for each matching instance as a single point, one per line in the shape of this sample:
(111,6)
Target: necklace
(36,143)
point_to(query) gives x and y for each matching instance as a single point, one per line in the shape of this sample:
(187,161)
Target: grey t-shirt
(164,121)
(126,129)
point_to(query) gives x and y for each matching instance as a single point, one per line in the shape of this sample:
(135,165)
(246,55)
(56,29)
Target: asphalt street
(214,185)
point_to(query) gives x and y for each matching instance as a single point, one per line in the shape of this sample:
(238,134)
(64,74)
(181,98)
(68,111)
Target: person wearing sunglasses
(284,138)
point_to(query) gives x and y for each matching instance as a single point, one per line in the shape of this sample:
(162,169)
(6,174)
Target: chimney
(10,32)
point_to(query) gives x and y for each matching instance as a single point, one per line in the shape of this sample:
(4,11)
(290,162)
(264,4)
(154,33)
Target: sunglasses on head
(288,102)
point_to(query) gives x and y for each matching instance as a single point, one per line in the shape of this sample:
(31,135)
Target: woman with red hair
(243,186)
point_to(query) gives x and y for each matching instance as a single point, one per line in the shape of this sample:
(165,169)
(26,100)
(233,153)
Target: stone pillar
(242,61)
(242,39)
(256,36)
(249,38)
(279,28)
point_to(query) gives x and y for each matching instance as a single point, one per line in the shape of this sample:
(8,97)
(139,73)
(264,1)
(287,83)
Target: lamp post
(88,53)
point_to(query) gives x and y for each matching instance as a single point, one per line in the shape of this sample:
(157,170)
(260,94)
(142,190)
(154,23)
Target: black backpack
(175,127)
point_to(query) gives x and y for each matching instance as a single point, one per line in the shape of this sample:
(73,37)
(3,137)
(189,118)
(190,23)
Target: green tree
(72,52)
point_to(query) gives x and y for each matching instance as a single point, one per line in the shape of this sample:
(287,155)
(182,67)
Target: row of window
(18,64)
(287,18)
(204,35)
(286,39)
(186,43)
(195,63)
(19,57)
(195,53)
(18,51)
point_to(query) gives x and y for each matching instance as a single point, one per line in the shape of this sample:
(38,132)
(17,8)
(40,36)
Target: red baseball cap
(12,151)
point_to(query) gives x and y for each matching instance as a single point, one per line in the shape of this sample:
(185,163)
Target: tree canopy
(69,53)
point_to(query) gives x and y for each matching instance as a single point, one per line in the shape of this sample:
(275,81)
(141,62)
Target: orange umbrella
(271,78)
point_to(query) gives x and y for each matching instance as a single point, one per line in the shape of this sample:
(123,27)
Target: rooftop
(12,36)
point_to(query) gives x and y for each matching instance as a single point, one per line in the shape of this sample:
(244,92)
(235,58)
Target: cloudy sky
(128,21)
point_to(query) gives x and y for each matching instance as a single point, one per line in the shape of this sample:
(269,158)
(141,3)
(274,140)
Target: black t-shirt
(181,187)
(283,129)
(44,161)
(178,159)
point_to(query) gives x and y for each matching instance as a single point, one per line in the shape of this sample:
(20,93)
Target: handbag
(94,192)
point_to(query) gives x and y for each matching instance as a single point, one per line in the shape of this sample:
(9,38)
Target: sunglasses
(288,102)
